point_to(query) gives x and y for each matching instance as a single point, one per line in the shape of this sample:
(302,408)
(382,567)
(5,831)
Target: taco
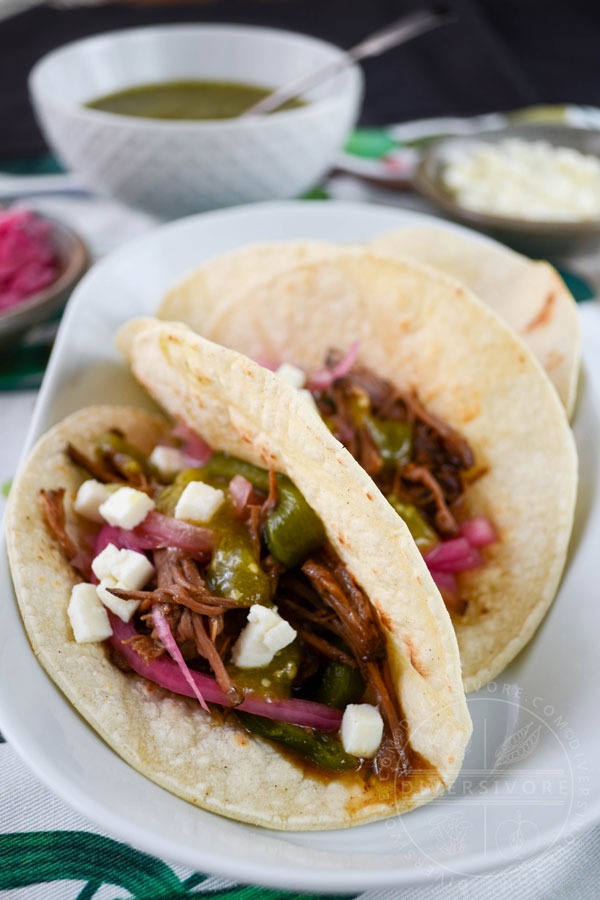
(247,566)
(529,295)
(449,413)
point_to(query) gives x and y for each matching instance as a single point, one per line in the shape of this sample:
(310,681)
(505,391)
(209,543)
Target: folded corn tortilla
(241,408)
(421,329)
(529,295)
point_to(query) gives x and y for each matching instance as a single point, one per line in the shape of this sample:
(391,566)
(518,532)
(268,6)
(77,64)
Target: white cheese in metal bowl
(532,180)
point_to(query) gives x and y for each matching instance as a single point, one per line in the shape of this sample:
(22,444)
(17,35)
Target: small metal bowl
(72,261)
(535,238)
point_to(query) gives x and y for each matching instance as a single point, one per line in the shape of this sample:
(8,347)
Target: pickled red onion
(454,555)
(479,531)
(240,491)
(27,259)
(170,644)
(267,364)
(165,672)
(158,530)
(445,581)
(195,449)
(120,537)
(325,377)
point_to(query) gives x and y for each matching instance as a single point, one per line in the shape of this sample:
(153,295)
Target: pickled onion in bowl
(28,262)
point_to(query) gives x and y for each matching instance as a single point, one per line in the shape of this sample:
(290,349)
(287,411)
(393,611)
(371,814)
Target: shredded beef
(419,486)
(171,595)
(362,633)
(53,508)
(145,647)
(432,480)
(332,615)
(185,601)
(185,629)
(392,757)
(273,569)
(54,512)
(112,467)
(93,467)
(120,462)
(178,574)
(207,649)
(320,644)
(368,455)
(359,625)
(271,501)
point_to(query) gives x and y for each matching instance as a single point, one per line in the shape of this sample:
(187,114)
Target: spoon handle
(398,32)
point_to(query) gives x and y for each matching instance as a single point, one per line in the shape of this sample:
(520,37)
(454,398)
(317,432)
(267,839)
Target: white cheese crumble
(89,497)
(362,729)
(125,569)
(265,634)
(527,180)
(168,460)
(87,616)
(199,502)
(292,374)
(103,564)
(130,569)
(126,508)
(124,609)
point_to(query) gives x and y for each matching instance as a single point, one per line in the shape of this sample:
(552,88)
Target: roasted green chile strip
(322,749)
(273,680)
(392,438)
(422,533)
(234,570)
(131,460)
(340,685)
(292,530)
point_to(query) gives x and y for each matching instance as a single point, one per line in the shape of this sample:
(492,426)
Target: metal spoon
(398,32)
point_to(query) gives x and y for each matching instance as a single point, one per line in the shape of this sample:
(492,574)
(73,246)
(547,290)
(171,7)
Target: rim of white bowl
(41,96)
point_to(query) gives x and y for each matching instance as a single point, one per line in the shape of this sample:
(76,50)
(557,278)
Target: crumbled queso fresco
(526,180)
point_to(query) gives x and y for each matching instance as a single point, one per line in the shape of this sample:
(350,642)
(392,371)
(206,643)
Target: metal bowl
(535,238)
(72,260)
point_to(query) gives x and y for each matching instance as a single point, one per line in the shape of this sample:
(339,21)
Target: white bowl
(177,167)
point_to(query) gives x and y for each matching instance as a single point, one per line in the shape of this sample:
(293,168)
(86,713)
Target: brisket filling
(332,616)
(432,479)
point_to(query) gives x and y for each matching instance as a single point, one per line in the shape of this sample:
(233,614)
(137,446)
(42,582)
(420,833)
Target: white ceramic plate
(528,778)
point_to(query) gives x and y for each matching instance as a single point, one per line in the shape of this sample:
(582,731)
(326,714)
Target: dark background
(500,55)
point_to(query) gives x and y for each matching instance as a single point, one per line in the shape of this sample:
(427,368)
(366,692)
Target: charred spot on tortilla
(544,314)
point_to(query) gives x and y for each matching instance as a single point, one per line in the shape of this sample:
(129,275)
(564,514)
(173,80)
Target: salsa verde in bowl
(176,167)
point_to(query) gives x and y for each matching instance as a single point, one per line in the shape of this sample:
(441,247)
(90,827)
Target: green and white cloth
(49,852)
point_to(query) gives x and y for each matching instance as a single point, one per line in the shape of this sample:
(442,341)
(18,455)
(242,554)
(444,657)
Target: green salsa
(191,99)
